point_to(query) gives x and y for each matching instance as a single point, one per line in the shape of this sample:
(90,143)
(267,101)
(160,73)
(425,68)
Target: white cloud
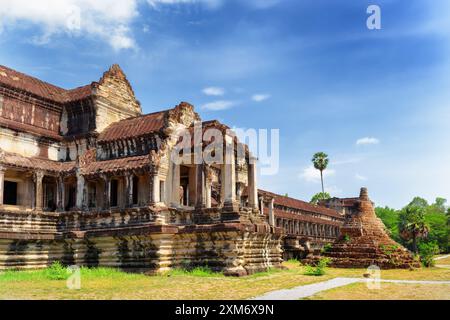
(260,97)
(212,4)
(214,91)
(311,174)
(367,140)
(360,177)
(219,105)
(108,20)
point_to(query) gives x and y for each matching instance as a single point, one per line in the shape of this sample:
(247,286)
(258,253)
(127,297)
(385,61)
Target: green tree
(412,225)
(390,219)
(439,203)
(320,196)
(418,202)
(438,228)
(320,161)
(427,253)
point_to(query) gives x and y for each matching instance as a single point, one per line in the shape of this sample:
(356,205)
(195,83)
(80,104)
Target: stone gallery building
(306,227)
(87,179)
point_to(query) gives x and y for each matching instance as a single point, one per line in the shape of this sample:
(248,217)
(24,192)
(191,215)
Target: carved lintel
(38,176)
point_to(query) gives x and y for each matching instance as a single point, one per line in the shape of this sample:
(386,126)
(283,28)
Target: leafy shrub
(57,271)
(347,238)
(389,249)
(327,247)
(427,251)
(319,269)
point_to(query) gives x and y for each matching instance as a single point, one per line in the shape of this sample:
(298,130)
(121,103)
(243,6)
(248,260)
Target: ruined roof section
(134,127)
(365,242)
(299,204)
(39,88)
(142,125)
(18,161)
(116,165)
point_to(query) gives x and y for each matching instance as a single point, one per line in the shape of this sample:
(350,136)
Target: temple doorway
(10,193)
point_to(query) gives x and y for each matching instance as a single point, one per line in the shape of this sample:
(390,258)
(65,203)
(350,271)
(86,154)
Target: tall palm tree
(320,161)
(412,225)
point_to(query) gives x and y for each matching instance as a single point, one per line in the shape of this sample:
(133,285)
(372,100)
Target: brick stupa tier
(364,242)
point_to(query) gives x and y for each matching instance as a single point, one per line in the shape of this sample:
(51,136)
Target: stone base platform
(136,240)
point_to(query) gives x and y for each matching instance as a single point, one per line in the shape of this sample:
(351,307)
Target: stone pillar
(199,186)
(128,190)
(155,195)
(81,192)
(208,193)
(60,194)
(271,213)
(106,192)
(208,186)
(175,191)
(252,186)
(261,205)
(229,175)
(38,176)
(2,184)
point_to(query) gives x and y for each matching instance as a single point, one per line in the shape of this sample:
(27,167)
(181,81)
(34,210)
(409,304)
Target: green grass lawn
(103,283)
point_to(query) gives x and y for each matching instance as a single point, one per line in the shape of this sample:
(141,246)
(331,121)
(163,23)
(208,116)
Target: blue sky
(309,68)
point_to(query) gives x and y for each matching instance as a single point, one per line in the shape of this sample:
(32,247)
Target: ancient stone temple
(87,179)
(364,241)
(306,227)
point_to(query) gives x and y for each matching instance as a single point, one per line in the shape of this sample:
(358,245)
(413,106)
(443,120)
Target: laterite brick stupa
(364,242)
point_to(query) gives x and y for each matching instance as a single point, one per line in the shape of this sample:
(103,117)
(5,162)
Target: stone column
(106,192)
(208,185)
(229,175)
(2,184)
(155,195)
(60,194)
(208,193)
(175,191)
(261,205)
(271,213)
(200,186)
(81,192)
(38,176)
(128,190)
(252,187)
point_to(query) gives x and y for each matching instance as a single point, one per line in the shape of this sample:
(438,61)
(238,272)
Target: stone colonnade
(75,191)
(303,228)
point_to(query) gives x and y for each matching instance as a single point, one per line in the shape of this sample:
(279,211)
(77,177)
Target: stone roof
(116,165)
(39,88)
(35,163)
(134,127)
(299,204)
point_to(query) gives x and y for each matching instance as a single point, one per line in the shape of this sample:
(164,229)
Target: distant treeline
(419,223)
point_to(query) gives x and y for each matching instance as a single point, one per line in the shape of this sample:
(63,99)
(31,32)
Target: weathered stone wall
(27,145)
(114,99)
(28,110)
(134,240)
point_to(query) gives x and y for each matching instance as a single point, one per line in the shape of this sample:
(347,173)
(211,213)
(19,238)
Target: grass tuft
(194,272)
